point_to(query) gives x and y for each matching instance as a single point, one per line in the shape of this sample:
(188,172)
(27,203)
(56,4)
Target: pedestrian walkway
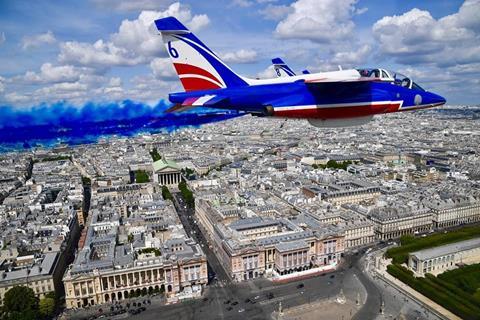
(381,269)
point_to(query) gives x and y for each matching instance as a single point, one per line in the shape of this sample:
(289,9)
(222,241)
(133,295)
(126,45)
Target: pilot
(364,73)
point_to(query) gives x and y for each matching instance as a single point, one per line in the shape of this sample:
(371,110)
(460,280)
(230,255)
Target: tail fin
(281,68)
(197,66)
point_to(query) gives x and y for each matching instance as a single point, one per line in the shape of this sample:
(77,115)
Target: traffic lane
(371,308)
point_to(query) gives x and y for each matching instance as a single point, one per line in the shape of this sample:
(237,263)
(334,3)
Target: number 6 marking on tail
(171,50)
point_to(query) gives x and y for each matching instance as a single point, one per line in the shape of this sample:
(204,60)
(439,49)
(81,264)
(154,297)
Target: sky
(104,51)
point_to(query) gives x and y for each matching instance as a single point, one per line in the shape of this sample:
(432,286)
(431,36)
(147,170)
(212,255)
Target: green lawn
(466,278)
(141,176)
(411,244)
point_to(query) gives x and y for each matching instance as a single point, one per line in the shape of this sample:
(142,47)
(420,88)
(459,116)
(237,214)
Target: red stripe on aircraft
(192,84)
(340,112)
(190,69)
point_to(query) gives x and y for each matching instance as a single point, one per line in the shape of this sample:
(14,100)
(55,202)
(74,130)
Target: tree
(187,194)
(20,303)
(155,155)
(46,307)
(166,193)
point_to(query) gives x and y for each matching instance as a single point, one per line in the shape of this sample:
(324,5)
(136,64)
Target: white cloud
(268,73)
(361,11)
(242,3)
(15,97)
(417,37)
(276,12)
(53,74)
(98,54)
(198,22)
(352,58)
(38,40)
(320,21)
(240,56)
(163,68)
(2,85)
(129,5)
(133,43)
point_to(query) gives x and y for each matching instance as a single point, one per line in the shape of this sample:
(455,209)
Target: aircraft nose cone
(434,99)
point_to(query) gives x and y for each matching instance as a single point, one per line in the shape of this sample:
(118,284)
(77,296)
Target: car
(248,300)
(229,308)
(300,286)
(241,310)
(205,299)
(227,302)
(332,276)
(234,303)
(256,297)
(270,295)
(143,309)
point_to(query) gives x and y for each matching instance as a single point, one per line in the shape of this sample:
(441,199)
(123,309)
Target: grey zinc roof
(440,251)
(252,223)
(292,245)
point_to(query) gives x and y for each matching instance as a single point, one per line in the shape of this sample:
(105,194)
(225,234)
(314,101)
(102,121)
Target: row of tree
(186,194)
(332,164)
(166,193)
(155,155)
(440,291)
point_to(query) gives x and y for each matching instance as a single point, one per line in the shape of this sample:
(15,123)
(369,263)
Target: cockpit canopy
(390,76)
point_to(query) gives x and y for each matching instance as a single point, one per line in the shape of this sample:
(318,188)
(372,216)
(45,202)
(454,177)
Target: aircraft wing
(208,100)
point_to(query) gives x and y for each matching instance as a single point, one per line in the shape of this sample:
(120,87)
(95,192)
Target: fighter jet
(327,99)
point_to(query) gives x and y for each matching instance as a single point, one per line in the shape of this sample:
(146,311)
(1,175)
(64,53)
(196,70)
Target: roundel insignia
(417,100)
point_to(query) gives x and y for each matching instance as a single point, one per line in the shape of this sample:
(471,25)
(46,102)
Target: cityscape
(235,219)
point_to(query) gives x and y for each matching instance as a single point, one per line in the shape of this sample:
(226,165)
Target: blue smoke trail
(61,122)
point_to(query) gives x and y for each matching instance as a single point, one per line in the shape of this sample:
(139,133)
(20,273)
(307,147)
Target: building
(268,246)
(166,172)
(360,232)
(447,257)
(342,192)
(122,274)
(454,211)
(139,249)
(41,273)
(396,221)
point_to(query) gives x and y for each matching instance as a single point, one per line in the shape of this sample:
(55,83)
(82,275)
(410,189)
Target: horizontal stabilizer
(209,101)
(178,108)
